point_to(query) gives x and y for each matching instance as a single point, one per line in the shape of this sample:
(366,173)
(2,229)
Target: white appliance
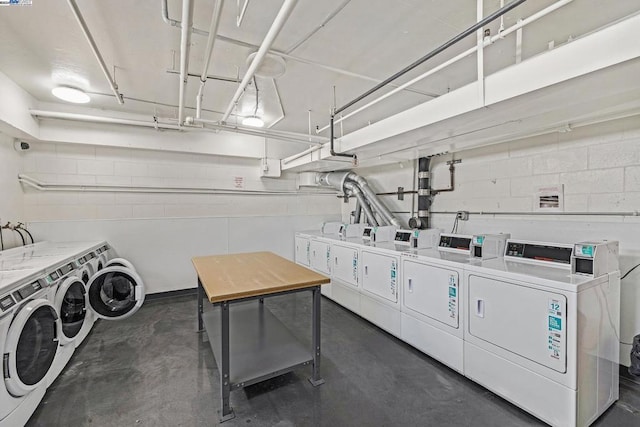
(432,297)
(345,272)
(380,288)
(28,343)
(383,233)
(320,259)
(542,328)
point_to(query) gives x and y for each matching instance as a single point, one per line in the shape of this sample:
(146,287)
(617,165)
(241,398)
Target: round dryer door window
(31,346)
(116,292)
(71,303)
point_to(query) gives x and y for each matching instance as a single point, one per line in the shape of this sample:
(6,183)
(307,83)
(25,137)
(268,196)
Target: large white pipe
(185,45)
(99,119)
(211,41)
(94,49)
(178,24)
(278,23)
(453,60)
(298,137)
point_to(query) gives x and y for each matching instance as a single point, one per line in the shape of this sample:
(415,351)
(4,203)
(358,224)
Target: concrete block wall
(161,232)
(11,197)
(89,165)
(598,167)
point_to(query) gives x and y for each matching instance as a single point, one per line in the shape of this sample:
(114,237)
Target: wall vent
(550,199)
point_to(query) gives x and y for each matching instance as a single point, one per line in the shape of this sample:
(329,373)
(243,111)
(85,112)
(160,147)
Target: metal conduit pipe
(185,46)
(370,217)
(211,41)
(278,23)
(373,199)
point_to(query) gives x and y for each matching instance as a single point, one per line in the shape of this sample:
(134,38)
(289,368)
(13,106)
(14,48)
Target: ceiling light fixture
(253,121)
(70,94)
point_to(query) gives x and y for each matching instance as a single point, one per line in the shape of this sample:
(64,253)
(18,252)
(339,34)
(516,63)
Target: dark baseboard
(171,294)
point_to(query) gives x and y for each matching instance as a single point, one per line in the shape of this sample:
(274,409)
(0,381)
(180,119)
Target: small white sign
(238,182)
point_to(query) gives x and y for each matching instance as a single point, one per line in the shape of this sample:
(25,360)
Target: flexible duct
(355,190)
(344,181)
(357,213)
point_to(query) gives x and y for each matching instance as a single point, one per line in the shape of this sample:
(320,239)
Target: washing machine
(431,317)
(313,250)
(542,328)
(28,343)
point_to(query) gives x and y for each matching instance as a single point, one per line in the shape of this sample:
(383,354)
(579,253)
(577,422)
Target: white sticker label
(453,296)
(555,327)
(394,277)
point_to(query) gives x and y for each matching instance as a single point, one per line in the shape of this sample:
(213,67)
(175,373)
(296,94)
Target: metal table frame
(226,385)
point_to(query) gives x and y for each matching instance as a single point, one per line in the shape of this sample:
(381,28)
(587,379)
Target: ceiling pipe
(99,119)
(211,40)
(96,52)
(278,23)
(178,24)
(453,60)
(272,134)
(185,46)
(299,137)
(446,45)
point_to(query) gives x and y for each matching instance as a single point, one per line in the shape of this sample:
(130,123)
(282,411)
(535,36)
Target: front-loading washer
(542,328)
(28,343)
(432,296)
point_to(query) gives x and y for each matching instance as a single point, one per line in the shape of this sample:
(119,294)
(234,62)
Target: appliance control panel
(455,243)
(26,291)
(539,252)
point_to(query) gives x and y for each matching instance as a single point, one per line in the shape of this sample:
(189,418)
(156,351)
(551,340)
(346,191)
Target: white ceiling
(43,46)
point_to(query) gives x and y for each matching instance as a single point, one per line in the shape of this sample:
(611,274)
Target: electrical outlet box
(270,168)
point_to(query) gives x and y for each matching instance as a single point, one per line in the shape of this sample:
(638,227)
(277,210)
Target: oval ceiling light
(70,94)
(253,121)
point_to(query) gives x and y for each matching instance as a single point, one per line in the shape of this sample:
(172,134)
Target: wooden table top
(235,276)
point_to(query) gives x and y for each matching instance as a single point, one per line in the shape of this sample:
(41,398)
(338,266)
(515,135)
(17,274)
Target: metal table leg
(226,412)
(315,379)
(200,305)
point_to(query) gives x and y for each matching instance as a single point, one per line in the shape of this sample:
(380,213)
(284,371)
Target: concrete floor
(154,369)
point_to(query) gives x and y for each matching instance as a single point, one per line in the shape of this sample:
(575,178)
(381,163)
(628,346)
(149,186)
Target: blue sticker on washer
(555,323)
(452,292)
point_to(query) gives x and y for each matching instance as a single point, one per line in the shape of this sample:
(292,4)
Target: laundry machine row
(48,310)
(537,323)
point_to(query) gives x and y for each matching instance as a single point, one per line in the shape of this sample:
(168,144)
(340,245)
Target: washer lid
(115,292)
(31,346)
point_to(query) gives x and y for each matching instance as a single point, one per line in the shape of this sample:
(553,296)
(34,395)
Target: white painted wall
(160,233)
(599,167)
(11,198)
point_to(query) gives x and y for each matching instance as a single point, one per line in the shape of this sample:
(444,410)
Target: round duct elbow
(332,179)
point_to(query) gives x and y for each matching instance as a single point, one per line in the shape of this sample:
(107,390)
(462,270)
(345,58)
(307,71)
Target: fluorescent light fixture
(253,121)
(70,94)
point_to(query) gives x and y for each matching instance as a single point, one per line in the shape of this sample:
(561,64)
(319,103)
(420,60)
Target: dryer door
(71,304)
(120,262)
(31,346)
(115,293)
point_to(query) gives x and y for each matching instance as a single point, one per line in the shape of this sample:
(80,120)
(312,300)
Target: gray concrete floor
(154,369)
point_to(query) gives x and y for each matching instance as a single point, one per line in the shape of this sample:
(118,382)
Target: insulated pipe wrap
(424,191)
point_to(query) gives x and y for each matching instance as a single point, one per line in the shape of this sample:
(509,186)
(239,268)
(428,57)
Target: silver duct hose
(373,199)
(355,190)
(358,212)
(349,181)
